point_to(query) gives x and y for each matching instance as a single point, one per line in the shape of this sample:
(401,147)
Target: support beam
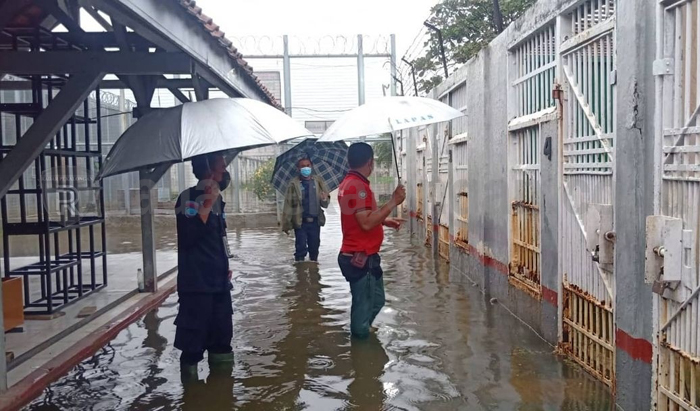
(201,88)
(45,127)
(52,7)
(148,180)
(162,82)
(128,19)
(72,62)
(89,9)
(172,23)
(179,95)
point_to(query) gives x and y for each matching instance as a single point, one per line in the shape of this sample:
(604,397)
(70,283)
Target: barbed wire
(112,99)
(251,46)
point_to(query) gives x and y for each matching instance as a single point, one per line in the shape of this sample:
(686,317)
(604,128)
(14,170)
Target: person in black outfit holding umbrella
(205,316)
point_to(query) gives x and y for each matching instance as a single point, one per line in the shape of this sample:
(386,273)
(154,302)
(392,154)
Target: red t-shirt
(355,195)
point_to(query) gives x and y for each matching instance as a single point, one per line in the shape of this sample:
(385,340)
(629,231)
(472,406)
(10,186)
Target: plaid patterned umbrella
(329,162)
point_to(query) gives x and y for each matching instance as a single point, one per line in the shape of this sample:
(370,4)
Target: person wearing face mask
(205,315)
(304,201)
(361,222)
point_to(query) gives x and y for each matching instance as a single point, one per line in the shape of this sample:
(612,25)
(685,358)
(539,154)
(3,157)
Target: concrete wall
(485,260)
(634,200)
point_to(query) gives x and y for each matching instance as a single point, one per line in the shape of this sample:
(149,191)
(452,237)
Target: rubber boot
(188,373)
(220,358)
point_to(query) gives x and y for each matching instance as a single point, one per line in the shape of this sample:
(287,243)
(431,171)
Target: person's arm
(324,195)
(288,208)
(369,219)
(191,227)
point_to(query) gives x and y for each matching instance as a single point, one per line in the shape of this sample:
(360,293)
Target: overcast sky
(321,17)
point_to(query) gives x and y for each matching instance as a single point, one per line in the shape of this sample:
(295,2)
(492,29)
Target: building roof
(30,14)
(215,31)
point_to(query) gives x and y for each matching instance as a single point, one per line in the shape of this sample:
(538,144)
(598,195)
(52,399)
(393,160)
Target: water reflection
(441,345)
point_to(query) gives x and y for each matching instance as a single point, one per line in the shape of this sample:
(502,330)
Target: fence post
(435,176)
(236,185)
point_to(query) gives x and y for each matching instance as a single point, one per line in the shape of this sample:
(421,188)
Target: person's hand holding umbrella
(398,197)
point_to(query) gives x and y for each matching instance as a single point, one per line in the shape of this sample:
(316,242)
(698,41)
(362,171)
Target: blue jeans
(367,289)
(308,240)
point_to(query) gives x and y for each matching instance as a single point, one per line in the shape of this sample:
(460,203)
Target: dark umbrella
(329,163)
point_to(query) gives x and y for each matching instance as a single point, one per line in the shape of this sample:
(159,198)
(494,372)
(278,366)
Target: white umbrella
(178,133)
(389,114)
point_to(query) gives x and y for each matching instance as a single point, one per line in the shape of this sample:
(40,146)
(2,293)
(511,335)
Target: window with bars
(591,13)
(535,62)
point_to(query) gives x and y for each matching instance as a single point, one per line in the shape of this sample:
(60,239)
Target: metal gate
(525,208)
(672,234)
(535,65)
(587,69)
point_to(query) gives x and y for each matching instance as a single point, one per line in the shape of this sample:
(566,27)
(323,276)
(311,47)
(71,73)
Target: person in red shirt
(363,234)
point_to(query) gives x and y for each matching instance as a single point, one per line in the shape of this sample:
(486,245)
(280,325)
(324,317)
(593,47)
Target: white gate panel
(587,72)
(674,246)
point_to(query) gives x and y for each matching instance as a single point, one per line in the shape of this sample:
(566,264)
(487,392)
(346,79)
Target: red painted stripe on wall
(638,348)
(550,296)
(488,261)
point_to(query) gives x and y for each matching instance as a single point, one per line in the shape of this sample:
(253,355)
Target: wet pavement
(440,345)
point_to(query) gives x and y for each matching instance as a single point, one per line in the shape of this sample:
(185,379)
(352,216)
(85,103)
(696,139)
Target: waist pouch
(352,273)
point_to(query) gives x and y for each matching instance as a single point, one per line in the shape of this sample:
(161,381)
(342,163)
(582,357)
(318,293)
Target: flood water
(440,345)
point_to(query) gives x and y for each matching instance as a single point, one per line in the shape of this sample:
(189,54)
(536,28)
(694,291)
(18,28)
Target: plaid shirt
(293,209)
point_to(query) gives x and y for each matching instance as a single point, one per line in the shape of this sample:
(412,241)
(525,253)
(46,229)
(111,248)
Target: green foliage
(383,153)
(467,27)
(260,183)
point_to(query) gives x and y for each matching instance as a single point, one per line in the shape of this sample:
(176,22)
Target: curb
(32,385)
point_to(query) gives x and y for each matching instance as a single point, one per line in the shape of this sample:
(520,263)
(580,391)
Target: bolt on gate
(587,71)
(672,259)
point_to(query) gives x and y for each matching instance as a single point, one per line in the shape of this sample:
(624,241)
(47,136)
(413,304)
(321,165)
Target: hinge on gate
(613,77)
(663,67)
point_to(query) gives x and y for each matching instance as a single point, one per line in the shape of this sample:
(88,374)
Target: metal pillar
(148,180)
(236,185)
(360,71)
(181,178)
(411,177)
(287,68)
(393,65)
(435,171)
(279,198)
(125,177)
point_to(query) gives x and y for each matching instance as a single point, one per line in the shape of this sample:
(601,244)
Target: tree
(260,183)
(467,26)
(383,153)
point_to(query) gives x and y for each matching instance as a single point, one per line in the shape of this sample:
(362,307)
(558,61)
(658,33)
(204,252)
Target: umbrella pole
(396,161)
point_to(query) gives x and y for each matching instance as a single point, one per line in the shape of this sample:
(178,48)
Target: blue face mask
(306,171)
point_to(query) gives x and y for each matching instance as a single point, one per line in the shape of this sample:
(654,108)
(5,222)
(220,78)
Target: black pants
(308,239)
(204,322)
